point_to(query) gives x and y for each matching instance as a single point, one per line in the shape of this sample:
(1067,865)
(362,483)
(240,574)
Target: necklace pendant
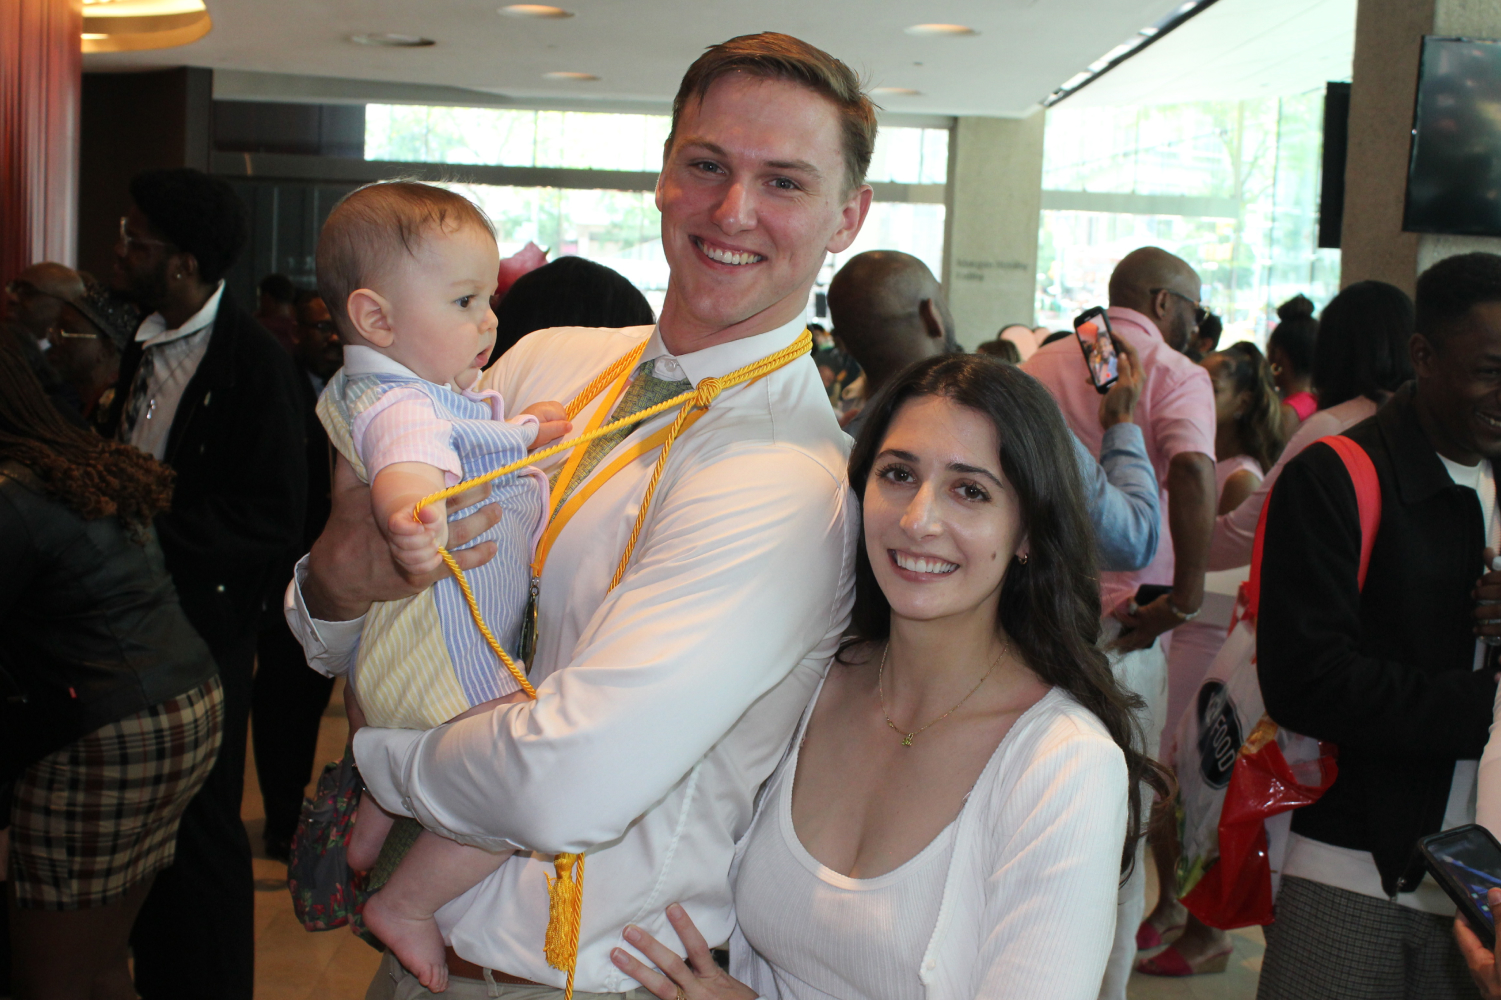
(907,740)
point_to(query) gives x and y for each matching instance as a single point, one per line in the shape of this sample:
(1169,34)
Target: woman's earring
(1022,558)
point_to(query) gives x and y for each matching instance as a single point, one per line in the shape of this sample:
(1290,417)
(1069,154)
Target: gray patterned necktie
(645,390)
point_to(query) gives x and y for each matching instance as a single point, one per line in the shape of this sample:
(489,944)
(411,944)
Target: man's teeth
(919,565)
(1492,421)
(729,256)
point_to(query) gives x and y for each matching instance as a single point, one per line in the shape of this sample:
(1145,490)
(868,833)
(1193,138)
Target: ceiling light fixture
(896,92)
(569,75)
(1125,50)
(940,30)
(137,25)
(389,40)
(536,10)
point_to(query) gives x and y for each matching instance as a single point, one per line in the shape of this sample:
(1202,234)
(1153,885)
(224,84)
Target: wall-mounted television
(1454,174)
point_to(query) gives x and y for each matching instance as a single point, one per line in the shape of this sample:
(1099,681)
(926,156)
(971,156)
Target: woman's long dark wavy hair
(1050,605)
(78,468)
(1260,427)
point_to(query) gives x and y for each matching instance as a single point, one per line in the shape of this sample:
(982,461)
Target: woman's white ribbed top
(826,935)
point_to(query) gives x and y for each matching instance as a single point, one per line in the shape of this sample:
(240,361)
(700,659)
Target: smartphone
(1466,862)
(1092,328)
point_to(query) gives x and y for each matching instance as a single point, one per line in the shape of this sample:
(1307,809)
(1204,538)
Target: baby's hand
(415,544)
(552,423)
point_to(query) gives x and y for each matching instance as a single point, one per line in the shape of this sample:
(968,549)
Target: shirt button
(667,369)
(219,589)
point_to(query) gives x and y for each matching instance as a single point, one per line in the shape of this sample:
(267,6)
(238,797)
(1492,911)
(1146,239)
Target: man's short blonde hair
(371,227)
(775,56)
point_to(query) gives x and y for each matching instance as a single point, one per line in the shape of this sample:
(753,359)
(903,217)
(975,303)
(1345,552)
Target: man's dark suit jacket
(1385,673)
(238,446)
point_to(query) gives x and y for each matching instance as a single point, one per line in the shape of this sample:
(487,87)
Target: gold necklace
(907,739)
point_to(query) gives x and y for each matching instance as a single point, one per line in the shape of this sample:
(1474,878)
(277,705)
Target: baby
(407,271)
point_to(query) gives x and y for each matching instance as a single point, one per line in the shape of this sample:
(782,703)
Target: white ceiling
(1235,50)
(639,48)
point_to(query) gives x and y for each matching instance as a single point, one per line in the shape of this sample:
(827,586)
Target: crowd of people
(864,664)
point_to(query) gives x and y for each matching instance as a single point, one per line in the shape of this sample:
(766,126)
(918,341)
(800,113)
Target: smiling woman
(956,808)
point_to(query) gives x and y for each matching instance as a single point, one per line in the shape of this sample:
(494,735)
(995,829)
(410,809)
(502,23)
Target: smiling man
(663,702)
(1391,672)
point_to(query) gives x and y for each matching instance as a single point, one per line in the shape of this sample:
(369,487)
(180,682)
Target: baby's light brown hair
(371,227)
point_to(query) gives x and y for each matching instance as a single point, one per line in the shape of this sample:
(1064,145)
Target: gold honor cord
(565,891)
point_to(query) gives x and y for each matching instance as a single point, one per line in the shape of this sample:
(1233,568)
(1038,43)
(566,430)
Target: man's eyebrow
(802,166)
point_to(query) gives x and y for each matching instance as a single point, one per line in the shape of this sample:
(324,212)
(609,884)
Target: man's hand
(1118,406)
(1482,961)
(1487,594)
(350,565)
(552,422)
(1146,624)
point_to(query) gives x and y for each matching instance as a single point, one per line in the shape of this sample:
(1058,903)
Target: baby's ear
(370,315)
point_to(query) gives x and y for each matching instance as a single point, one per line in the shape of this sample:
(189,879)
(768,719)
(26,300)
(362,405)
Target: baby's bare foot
(414,940)
(371,824)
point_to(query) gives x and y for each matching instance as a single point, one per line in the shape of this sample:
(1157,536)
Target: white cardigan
(1028,905)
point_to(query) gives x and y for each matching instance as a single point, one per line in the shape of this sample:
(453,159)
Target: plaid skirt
(94,819)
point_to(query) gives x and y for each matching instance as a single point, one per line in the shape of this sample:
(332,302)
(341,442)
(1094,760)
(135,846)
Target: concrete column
(1388,46)
(994,208)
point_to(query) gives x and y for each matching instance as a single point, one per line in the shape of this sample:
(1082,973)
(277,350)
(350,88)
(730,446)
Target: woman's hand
(350,566)
(1485,969)
(697,979)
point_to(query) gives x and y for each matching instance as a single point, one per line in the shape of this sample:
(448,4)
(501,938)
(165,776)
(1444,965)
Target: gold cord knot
(707,392)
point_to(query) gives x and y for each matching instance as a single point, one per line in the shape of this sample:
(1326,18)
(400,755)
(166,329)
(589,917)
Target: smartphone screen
(1093,331)
(1466,862)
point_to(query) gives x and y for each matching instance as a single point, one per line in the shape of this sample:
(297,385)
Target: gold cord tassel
(565,906)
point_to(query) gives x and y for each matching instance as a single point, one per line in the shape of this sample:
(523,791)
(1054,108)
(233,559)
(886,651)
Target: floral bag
(325,892)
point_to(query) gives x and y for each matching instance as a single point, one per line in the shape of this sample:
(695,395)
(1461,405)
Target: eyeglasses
(1200,313)
(325,327)
(130,242)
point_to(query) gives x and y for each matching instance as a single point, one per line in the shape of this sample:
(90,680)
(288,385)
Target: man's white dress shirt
(683,685)
(171,359)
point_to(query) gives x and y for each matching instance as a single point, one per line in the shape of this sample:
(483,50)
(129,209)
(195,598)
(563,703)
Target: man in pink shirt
(1154,300)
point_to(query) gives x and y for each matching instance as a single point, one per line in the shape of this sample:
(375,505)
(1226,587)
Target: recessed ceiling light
(897,92)
(569,75)
(538,10)
(393,41)
(940,30)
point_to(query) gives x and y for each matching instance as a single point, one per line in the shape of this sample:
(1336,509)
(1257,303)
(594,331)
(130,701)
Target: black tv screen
(1454,176)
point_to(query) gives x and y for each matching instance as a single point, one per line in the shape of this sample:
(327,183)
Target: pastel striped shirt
(422,660)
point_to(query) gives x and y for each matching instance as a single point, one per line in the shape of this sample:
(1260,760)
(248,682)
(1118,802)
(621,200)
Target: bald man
(889,312)
(1154,301)
(34,298)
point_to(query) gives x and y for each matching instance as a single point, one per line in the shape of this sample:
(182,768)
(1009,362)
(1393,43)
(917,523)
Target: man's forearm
(1190,518)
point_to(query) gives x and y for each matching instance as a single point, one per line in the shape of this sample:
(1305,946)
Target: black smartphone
(1149,592)
(1466,862)
(1092,329)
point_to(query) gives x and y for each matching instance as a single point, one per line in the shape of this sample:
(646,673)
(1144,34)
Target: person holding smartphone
(1153,307)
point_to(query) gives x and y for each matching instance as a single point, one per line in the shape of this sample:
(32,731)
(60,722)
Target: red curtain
(41,64)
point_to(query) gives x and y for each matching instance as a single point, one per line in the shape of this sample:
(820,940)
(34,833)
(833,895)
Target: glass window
(510,138)
(1260,159)
(910,156)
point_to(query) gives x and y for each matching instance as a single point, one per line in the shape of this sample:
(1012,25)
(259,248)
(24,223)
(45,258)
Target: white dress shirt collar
(721,359)
(153,329)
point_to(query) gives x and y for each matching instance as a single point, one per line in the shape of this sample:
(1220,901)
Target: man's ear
(927,310)
(851,218)
(370,315)
(1420,349)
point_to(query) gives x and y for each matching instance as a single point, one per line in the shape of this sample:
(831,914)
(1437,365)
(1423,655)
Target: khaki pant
(392,982)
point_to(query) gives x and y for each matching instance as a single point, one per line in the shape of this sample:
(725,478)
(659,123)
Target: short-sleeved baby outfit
(422,660)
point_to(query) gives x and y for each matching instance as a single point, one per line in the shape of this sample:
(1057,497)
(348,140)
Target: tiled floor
(293,964)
